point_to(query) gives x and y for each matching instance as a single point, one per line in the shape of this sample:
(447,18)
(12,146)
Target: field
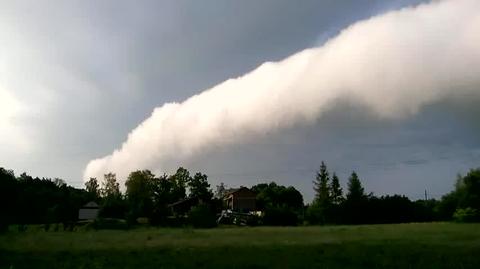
(432,245)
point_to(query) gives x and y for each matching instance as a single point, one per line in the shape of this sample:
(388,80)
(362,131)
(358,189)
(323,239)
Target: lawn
(432,245)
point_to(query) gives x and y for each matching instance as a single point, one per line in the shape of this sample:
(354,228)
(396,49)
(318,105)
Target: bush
(253,220)
(314,214)
(110,224)
(280,216)
(466,215)
(202,216)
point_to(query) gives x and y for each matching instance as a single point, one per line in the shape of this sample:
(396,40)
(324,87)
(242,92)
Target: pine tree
(355,189)
(321,185)
(336,191)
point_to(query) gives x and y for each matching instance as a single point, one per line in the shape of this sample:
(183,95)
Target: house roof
(186,200)
(232,191)
(91,204)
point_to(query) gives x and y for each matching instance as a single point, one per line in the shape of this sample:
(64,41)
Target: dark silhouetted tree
(465,196)
(200,188)
(321,185)
(281,205)
(179,183)
(355,189)
(113,205)
(336,192)
(139,193)
(93,188)
(321,210)
(220,191)
(8,197)
(356,202)
(110,187)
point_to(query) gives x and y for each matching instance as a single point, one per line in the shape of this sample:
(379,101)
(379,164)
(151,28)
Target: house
(181,207)
(89,211)
(240,200)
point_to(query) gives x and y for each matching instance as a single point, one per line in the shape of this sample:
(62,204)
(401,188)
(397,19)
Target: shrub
(314,214)
(110,224)
(202,216)
(280,216)
(466,215)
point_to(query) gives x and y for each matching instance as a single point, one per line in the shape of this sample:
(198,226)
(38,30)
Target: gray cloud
(392,64)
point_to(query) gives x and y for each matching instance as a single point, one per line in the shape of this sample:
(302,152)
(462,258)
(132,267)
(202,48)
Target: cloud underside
(392,65)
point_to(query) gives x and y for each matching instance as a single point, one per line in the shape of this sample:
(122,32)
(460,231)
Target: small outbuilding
(240,200)
(181,207)
(89,211)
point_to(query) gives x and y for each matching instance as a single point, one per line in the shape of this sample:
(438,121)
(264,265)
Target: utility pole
(426,197)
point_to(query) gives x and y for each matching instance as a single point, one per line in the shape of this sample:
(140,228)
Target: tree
(320,211)
(272,195)
(220,191)
(200,188)
(113,205)
(355,189)
(59,182)
(467,190)
(93,188)
(321,185)
(356,202)
(139,193)
(8,196)
(466,195)
(162,196)
(281,205)
(110,188)
(336,192)
(179,182)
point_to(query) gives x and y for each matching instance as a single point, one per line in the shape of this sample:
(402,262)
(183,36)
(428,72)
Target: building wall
(88,213)
(243,200)
(244,204)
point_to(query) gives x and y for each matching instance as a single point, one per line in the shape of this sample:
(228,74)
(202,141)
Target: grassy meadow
(429,245)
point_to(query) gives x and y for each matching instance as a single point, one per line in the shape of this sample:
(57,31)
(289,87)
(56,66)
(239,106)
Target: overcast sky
(77,76)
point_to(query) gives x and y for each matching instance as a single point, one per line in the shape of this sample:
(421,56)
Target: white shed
(89,211)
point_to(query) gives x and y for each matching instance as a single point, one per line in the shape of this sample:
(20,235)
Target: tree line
(331,206)
(28,200)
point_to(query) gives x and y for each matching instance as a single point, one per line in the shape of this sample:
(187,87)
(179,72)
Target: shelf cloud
(393,64)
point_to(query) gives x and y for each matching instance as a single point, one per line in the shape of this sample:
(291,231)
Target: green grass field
(433,245)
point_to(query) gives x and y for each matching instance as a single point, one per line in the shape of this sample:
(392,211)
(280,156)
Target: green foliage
(355,189)
(321,185)
(110,224)
(139,193)
(201,216)
(110,186)
(8,196)
(465,195)
(315,214)
(113,205)
(328,197)
(468,190)
(280,216)
(466,215)
(336,192)
(179,182)
(200,188)
(93,189)
(273,195)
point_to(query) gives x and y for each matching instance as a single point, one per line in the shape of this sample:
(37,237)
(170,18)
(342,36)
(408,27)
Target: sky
(76,78)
